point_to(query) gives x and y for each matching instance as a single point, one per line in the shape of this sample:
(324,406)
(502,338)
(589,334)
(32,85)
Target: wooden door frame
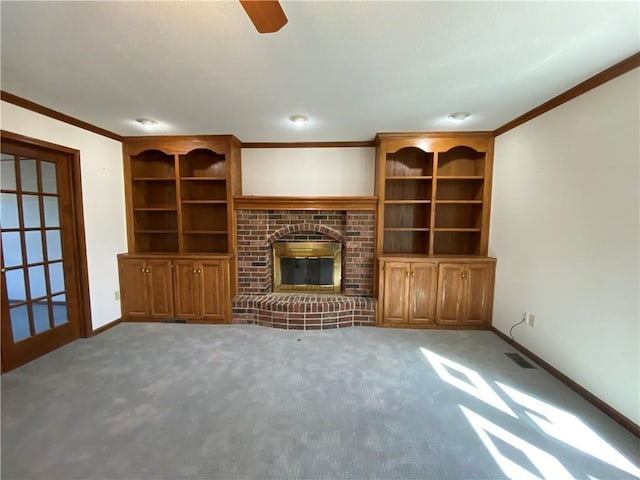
(81,278)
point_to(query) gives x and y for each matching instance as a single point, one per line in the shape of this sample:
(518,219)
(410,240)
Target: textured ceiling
(354,68)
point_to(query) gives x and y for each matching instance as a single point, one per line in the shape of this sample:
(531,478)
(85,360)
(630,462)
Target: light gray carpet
(166,401)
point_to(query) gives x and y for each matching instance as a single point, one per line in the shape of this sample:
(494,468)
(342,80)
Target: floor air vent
(174,320)
(520,360)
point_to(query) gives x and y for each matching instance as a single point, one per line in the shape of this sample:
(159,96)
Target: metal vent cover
(519,360)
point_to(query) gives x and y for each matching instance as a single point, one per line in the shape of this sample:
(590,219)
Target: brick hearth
(255,302)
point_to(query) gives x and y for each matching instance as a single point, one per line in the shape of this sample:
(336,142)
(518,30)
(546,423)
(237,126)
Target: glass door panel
(32,248)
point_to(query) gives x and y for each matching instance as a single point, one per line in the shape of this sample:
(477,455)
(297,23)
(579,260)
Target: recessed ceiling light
(147,122)
(459,116)
(298,120)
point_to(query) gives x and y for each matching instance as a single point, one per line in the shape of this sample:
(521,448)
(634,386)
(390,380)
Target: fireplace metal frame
(306,250)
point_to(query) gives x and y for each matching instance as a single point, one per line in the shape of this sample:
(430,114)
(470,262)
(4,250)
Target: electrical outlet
(524,316)
(116,295)
(531,319)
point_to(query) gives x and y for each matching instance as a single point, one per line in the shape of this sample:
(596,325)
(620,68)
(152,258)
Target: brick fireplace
(261,221)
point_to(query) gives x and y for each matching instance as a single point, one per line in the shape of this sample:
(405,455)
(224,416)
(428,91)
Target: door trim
(81,279)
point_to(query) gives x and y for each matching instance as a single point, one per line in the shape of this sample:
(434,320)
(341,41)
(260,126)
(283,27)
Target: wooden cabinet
(192,288)
(180,193)
(201,289)
(432,292)
(146,288)
(408,293)
(434,193)
(465,293)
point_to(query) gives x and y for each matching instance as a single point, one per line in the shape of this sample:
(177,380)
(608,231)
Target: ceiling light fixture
(147,122)
(298,120)
(459,116)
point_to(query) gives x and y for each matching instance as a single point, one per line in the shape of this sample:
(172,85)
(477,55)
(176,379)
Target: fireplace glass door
(307,267)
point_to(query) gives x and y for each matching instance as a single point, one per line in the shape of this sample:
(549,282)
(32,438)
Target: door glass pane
(9,210)
(31,211)
(16,291)
(7,173)
(37,282)
(28,175)
(41,316)
(56,277)
(11,249)
(33,241)
(51,212)
(20,322)
(59,310)
(49,181)
(54,247)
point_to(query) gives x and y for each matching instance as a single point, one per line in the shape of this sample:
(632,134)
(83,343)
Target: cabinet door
(451,282)
(160,285)
(395,297)
(423,288)
(133,288)
(213,290)
(187,286)
(479,287)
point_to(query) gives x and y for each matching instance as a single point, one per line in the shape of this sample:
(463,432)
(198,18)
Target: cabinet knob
(195,271)
(464,274)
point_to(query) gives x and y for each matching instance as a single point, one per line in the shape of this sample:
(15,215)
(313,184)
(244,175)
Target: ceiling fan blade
(266,15)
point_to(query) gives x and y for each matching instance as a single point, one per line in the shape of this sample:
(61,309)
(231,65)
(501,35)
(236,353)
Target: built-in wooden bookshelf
(434,193)
(180,193)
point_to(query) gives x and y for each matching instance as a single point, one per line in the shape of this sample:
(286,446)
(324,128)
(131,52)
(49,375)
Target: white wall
(308,171)
(565,222)
(102,195)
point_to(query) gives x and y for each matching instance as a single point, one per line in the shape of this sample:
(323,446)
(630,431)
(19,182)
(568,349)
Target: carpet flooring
(168,401)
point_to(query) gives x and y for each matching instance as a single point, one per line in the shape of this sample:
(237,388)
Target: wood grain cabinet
(195,289)
(408,293)
(465,293)
(146,288)
(201,289)
(435,292)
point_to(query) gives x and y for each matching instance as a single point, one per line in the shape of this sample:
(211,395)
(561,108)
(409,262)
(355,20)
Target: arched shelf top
(202,151)
(464,149)
(411,148)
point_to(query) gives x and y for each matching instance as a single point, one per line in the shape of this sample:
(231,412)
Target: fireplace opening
(307,267)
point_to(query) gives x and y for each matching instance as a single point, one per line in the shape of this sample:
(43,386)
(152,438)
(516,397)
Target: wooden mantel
(251,202)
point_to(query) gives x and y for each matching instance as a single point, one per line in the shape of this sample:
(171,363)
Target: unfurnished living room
(320,240)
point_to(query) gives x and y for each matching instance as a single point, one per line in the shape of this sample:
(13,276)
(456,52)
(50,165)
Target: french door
(41,293)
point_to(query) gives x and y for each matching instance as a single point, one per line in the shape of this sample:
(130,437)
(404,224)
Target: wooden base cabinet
(465,294)
(195,289)
(202,289)
(146,288)
(434,292)
(408,293)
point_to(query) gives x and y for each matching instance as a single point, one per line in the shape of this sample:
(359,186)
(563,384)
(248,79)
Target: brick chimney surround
(261,221)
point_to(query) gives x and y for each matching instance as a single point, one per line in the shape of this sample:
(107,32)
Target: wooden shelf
(459,202)
(459,177)
(155,209)
(156,231)
(153,179)
(409,177)
(205,202)
(205,232)
(203,179)
(401,229)
(406,202)
(454,229)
